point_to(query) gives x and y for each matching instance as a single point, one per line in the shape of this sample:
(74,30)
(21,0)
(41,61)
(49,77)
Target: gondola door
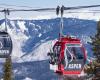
(74,56)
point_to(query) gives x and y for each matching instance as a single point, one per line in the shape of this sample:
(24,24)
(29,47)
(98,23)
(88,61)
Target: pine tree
(96,43)
(94,67)
(96,50)
(8,69)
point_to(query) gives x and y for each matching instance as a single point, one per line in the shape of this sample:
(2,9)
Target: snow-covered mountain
(32,40)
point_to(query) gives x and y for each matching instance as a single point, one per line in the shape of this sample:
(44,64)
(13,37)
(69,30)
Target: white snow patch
(2,27)
(22,26)
(40,35)
(27,78)
(83,15)
(18,39)
(40,53)
(12,23)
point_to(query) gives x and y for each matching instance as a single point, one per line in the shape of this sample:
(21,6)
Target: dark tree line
(94,66)
(96,50)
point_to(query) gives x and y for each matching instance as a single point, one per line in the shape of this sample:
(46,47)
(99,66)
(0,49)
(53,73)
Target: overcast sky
(43,4)
(49,3)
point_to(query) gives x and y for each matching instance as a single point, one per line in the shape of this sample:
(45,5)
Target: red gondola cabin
(68,56)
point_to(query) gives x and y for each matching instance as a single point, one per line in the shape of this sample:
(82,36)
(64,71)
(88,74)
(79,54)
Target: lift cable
(82,12)
(80,7)
(41,9)
(50,9)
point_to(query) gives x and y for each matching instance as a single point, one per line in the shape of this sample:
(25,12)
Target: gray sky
(42,4)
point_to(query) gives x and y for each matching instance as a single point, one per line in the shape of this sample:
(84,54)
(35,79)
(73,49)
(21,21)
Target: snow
(83,15)
(2,27)
(22,26)
(41,48)
(39,53)
(27,78)
(67,14)
(40,35)
(12,23)
(37,17)
(18,39)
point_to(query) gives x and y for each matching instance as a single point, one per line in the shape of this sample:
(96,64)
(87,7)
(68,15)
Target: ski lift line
(80,7)
(41,9)
(84,12)
(38,10)
(47,9)
(65,8)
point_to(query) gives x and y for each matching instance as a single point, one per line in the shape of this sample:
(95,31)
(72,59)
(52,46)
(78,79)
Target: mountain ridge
(27,34)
